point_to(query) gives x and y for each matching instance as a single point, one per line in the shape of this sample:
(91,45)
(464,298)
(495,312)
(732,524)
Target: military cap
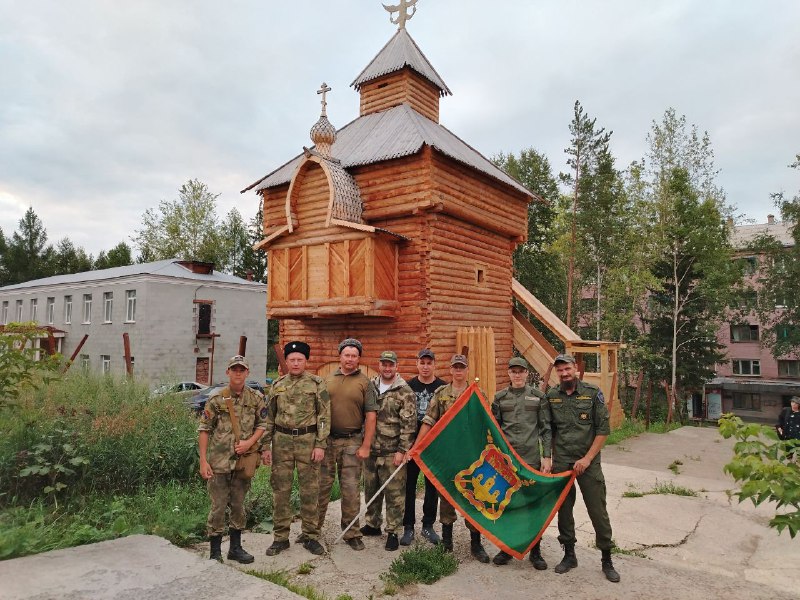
(388,355)
(518,361)
(238,360)
(350,342)
(297,346)
(795,399)
(426,352)
(564,358)
(459,359)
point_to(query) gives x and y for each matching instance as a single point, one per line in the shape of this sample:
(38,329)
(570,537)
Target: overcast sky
(106,108)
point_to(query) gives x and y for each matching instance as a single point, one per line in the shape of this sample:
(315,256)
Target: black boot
(608,567)
(536,558)
(216,550)
(476,548)
(570,561)
(236,552)
(447,537)
(502,558)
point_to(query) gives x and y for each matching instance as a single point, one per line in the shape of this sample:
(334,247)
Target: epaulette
(218,392)
(501,394)
(316,378)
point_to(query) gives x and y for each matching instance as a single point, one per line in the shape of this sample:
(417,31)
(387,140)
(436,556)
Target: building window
(87,308)
(19,312)
(51,310)
(34,306)
(746,401)
(86,362)
(204,319)
(746,367)
(744,333)
(67,310)
(108,304)
(749,264)
(130,313)
(4,314)
(789,368)
(105,363)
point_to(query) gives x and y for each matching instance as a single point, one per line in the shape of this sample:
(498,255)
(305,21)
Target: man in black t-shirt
(424,384)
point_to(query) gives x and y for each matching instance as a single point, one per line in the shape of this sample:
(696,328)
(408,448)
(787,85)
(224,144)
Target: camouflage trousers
(593,489)
(341,460)
(447,514)
(290,452)
(377,470)
(225,489)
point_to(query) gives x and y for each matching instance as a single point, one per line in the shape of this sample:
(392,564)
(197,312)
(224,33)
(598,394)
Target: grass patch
(661,488)
(283,579)
(629,429)
(305,568)
(419,565)
(675,465)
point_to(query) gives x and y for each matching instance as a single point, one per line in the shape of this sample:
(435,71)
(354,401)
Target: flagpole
(364,510)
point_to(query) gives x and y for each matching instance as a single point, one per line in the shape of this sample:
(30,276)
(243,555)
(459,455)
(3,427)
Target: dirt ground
(707,546)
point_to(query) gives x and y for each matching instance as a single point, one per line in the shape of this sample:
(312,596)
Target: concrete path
(707,546)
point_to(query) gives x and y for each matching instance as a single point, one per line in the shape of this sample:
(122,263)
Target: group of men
(348,423)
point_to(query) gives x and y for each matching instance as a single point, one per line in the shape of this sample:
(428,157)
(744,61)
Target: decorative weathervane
(324,89)
(402,12)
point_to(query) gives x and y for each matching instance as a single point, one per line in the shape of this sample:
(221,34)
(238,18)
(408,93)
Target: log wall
(399,87)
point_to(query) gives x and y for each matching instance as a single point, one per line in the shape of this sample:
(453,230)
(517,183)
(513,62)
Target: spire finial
(402,12)
(324,89)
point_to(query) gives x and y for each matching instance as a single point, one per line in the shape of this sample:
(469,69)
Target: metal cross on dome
(324,89)
(402,12)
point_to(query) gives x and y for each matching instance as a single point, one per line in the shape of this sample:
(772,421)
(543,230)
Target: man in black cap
(298,425)
(353,417)
(423,385)
(579,421)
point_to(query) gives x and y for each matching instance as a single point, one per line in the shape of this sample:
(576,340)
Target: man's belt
(297,430)
(343,434)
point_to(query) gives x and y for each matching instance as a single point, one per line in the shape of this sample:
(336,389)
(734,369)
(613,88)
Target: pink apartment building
(751,383)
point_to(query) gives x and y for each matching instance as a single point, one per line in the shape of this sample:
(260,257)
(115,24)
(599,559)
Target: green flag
(468,459)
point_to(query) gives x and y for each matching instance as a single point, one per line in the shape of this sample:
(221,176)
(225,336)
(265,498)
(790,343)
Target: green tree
(3,256)
(695,271)
(780,280)
(28,255)
(68,259)
(586,145)
(763,464)
(19,366)
(255,261)
(119,256)
(185,228)
(537,266)
(235,244)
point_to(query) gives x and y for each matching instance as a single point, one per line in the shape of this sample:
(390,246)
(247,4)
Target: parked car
(182,388)
(197,403)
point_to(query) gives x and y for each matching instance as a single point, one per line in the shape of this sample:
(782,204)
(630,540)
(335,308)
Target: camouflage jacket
(251,413)
(298,401)
(443,398)
(396,418)
(524,421)
(576,419)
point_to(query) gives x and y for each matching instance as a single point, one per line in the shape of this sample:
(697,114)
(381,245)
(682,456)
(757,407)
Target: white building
(183,320)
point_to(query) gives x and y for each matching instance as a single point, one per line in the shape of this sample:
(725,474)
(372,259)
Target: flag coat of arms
(467,457)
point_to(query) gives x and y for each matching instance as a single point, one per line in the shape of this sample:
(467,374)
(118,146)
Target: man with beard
(579,421)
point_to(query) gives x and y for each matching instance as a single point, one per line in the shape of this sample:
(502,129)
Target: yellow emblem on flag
(489,482)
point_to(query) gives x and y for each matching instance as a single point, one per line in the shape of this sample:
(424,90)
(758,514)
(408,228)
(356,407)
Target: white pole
(364,510)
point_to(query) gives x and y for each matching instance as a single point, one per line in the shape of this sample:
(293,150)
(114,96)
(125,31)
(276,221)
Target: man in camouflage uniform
(219,451)
(297,435)
(353,407)
(579,420)
(442,400)
(518,411)
(394,434)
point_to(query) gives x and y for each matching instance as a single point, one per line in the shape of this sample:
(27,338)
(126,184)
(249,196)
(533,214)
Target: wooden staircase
(540,353)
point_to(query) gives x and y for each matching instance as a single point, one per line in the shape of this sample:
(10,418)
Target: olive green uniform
(352,397)
(524,420)
(576,419)
(298,422)
(442,400)
(394,432)
(225,488)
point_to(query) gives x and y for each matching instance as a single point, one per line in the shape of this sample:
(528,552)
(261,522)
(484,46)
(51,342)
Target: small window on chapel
(480,275)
